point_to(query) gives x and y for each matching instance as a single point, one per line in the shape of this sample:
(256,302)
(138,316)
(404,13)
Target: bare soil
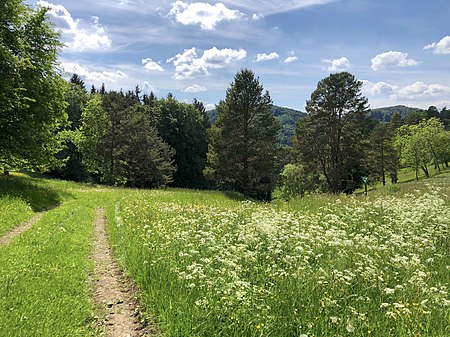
(113,293)
(16,231)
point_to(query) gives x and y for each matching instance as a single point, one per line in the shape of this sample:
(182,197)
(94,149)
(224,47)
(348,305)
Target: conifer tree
(242,151)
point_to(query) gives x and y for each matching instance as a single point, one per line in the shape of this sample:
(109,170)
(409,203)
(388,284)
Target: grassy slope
(162,235)
(320,266)
(44,272)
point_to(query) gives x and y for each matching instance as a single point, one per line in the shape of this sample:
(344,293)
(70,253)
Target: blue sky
(400,49)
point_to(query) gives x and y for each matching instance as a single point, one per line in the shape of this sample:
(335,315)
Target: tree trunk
(425,170)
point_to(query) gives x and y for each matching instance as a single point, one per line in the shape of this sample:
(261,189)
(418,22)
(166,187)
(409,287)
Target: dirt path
(16,231)
(113,294)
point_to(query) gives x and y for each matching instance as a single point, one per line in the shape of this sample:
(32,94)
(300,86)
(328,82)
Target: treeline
(139,140)
(134,139)
(338,146)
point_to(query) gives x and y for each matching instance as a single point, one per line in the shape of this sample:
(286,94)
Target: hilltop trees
(31,91)
(329,140)
(242,151)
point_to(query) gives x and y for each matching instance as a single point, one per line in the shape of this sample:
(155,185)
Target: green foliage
(242,151)
(120,143)
(381,157)
(423,143)
(184,127)
(32,94)
(286,117)
(385,114)
(295,181)
(329,140)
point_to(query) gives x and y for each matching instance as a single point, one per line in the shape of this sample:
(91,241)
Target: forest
(130,138)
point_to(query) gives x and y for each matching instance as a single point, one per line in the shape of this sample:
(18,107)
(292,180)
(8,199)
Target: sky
(399,49)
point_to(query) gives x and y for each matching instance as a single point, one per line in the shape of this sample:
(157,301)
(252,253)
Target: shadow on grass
(233,195)
(39,198)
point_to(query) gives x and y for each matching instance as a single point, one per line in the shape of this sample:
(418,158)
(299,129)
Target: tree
(242,151)
(31,91)
(184,127)
(91,138)
(421,144)
(381,156)
(329,140)
(76,99)
(121,145)
(145,159)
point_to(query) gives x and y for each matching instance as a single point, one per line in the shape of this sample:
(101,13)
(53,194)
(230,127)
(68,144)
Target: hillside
(384,114)
(287,118)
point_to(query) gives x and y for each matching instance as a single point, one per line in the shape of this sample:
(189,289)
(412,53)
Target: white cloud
(421,90)
(267,7)
(195,88)
(103,76)
(210,106)
(81,39)
(257,16)
(290,59)
(151,65)
(379,88)
(188,64)
(266,57)
(441,47)
(391,58)
(340,64)
(219,58)
(147,87)
(204,14)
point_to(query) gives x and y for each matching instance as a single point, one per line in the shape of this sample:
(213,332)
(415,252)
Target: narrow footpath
(114,295)
(16,231)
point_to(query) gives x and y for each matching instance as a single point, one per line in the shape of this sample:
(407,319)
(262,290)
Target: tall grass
(347,267)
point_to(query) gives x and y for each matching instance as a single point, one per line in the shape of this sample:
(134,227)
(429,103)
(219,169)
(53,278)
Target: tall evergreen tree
(329,140)
(242,150)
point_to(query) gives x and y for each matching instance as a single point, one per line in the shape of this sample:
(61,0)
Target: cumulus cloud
(391,59)
(441,47)
(195,88)
(151,65)
(97,76)
(421,90)
(290,59)
(204,14)
(80,39)
(340,64)
(379,88)
(188,64)
(266,57)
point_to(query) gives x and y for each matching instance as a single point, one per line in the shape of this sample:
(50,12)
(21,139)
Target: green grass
(320,266)
(211,264)
(44,288)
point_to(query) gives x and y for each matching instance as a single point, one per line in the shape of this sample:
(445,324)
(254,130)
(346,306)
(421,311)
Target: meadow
(213,264)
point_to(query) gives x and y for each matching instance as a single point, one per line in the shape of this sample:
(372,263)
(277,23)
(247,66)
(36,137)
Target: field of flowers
(208,265)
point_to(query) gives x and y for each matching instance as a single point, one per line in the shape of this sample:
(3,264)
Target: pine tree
(242,151)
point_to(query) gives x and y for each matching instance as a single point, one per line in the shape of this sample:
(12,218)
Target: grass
(333,266)
(44,289)
(211,264)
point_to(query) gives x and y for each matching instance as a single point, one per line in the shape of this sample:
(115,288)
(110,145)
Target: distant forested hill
(384,114)
(286,116)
